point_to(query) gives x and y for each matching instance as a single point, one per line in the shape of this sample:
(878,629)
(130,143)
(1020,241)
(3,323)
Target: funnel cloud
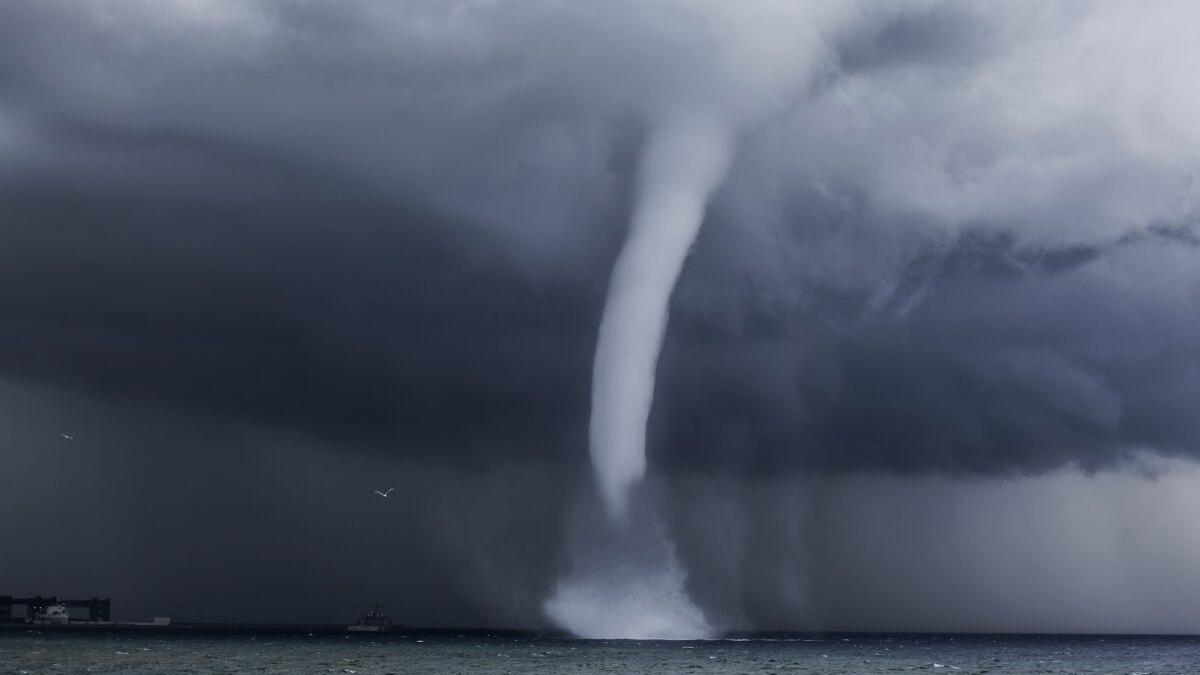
(683,162)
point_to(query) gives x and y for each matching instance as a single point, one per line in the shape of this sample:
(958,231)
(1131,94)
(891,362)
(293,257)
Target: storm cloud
(377,236)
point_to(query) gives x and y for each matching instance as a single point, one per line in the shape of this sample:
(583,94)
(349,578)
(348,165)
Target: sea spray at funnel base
(685,159)
(626,581)
(633,600)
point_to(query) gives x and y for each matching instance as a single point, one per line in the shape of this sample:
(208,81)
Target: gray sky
(940,326)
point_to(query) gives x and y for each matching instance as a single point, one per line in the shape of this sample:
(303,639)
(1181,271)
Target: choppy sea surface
(450,652)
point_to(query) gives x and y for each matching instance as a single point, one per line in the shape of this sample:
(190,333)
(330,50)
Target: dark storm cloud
(290,298)
(387,230)
(984,356)
(175,235)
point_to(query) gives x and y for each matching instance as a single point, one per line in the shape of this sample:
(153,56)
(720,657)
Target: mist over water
(630,600)
(626,583)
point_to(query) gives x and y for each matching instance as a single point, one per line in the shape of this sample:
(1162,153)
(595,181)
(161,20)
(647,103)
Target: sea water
(480,652)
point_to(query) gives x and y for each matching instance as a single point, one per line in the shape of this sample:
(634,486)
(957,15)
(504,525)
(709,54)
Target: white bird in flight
(385,493)
(68,437)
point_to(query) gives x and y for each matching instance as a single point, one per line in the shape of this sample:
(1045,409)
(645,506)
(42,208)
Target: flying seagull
(385,493)
(68,437)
